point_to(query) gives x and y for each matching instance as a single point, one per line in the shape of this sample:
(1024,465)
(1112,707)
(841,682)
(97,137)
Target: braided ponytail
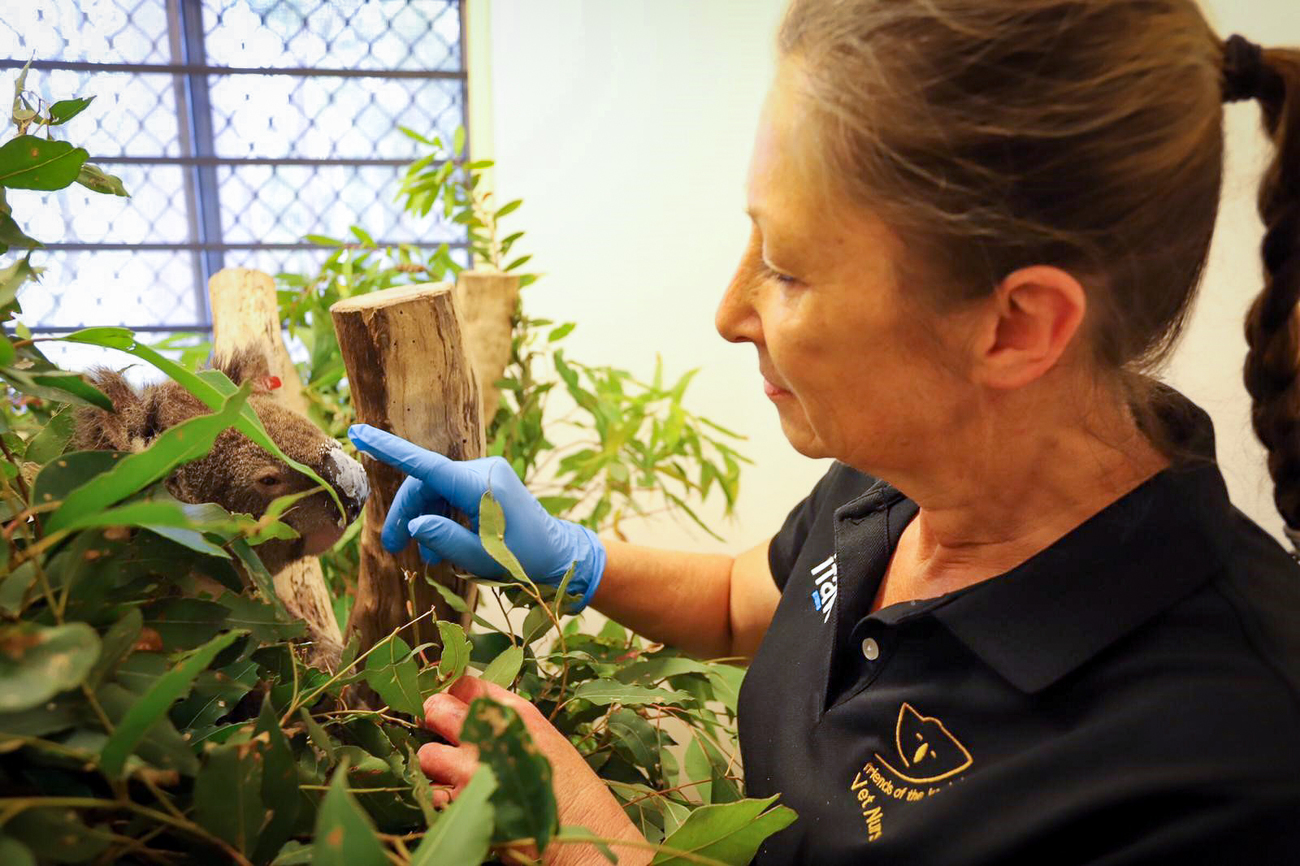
(1272,372)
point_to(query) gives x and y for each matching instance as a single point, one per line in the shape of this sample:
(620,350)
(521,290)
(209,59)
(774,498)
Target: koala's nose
(349,480)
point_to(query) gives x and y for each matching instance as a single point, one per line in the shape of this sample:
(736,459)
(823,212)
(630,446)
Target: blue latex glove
(544,545)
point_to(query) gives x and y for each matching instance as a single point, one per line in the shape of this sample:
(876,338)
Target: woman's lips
(772,391)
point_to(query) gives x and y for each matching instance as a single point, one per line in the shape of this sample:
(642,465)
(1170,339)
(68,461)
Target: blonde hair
(1085,134)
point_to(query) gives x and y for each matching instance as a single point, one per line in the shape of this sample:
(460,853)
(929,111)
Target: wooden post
(409,374)
(245,312)
(485,302)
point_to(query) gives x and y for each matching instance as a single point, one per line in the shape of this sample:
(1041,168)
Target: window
(238,126)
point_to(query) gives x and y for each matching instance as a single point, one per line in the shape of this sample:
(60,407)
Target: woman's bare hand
(581,797)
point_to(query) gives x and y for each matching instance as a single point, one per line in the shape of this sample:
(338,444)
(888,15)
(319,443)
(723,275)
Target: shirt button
(870,649)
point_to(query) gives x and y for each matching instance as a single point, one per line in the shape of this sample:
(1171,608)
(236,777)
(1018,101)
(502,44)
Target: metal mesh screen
(238,126)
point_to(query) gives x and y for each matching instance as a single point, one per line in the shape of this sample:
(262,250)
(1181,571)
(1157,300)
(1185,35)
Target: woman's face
(857,366)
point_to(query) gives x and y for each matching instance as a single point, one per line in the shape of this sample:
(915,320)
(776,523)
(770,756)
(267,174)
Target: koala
(237,474)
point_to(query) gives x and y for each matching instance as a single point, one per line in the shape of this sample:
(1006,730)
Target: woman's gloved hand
(544,545)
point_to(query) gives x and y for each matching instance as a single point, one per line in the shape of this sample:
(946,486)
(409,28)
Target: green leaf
(115,645)
(52,438)
(505,667)
(655,669)
(604,692)
(509,208)
(518,263)
(66,109)
(524,799)
(94,178)
(458,141)
(151,514)
(180,444)
(345,835)
(157,701)
(228,793)
(538,622)
(28,162)
(561,332)
(464,832)
(392,673)
(730,832)
(12,235)
(73,384)
(492,535)
(264,622)
(70,471)
(279,785)
(36,662)
(455,651)
(15,853)
(12,279)
(57,835)
(319,738)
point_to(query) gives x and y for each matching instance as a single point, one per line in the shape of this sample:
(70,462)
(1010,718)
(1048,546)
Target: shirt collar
(1139,556)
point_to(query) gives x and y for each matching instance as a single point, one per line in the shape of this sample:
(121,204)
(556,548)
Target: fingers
(444,714)
(454,480)
(411,501)
(448,765)
(441,538)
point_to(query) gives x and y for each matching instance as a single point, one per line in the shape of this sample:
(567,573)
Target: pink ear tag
(270,383)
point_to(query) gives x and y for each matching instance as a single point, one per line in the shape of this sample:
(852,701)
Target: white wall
(625,125)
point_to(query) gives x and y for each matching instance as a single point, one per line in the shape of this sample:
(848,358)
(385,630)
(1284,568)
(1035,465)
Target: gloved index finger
(455,482)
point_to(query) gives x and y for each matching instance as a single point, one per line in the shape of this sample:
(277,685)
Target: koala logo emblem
(926,749)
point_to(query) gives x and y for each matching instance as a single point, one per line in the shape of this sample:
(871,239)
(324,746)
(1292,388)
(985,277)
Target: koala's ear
(247,364)
(121,429)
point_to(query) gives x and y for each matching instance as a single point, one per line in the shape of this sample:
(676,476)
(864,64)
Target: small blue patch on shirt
(817,600)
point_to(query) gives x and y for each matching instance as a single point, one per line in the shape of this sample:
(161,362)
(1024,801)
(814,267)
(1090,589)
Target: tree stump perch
(245,312)
(409,373)
(485,302)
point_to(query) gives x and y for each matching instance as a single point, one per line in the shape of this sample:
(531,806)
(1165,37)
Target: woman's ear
(1033,316)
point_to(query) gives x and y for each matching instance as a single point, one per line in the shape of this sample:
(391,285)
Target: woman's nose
(737,318)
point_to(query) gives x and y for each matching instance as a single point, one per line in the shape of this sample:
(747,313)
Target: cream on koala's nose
(349,479)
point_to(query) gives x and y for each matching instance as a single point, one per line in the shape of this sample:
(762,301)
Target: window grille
(238,126)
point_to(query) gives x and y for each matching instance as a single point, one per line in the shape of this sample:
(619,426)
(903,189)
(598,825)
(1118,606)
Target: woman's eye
(783,279)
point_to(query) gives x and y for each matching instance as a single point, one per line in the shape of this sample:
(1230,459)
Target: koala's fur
(237,474)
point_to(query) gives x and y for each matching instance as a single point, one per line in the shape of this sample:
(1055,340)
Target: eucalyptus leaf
(57,835)
(114,646)
(52,438)
(157,701)
(392,673)
(524,799)
(94,178)
(228,793)
(463,834)
(505,667)
(605,692)
(37,662)
(28,162)
(455,651)
(15,853)
(344,835)
(66,109)
(12,235)
(729,833)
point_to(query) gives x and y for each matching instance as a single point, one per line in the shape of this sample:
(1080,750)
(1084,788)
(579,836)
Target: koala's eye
(270,479)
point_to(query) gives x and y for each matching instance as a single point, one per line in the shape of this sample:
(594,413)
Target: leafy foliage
(154,704)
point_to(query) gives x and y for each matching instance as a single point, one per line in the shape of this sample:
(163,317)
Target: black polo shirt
(1129,695)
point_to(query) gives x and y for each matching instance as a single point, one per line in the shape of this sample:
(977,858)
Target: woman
(1019,620)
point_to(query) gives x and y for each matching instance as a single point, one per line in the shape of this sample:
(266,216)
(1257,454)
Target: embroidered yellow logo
(927,751)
